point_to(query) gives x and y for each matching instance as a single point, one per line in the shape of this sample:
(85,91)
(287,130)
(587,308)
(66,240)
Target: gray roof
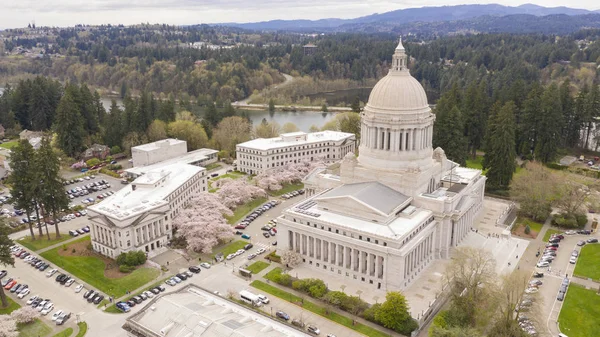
(374,194)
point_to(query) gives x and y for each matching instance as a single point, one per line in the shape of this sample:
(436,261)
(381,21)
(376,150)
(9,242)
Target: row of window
(362,278)
(419,229)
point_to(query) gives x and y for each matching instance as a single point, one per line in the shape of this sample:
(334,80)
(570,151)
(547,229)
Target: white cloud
(17,13)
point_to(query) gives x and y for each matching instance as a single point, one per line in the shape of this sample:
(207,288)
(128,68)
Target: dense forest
(546,85)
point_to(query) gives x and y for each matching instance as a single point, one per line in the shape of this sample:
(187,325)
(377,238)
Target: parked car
(63,318)
(581,243)
(248,246)
(98,299)
(56,315)
(205,265)
(542,264)
(194,269)
(246,236)
(282,315)
(123,306)
(79,288)
(87,294)
(298,323)
(592,240)
(560,296)
(23,293)
(264,299)
(313,329)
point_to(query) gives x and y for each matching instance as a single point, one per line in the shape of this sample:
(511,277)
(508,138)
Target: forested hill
(449,19)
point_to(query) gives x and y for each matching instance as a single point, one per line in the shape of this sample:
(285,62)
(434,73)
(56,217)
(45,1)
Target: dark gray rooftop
(374,194)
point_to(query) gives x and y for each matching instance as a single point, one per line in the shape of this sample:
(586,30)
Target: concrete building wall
(164,150)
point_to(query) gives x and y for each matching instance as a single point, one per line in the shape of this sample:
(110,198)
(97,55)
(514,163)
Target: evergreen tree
(592,111)
(113,126)
(99,108)
(528,127)
(69,126)
(6,257)
(574,138)
(271,105)
(23,179)
(212,115)
(500,146)
(449,134)
(550,124)
(355,106)
(570,122)
(51,191)
(474,108)
(88,110)
(229,110)
(38,107)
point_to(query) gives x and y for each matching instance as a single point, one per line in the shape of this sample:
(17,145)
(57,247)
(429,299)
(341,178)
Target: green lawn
(91,270)
(230,248)
(310,306)
(65,333)
(82,329)
(549,233)
(10,145)
(113,308)
(257,267)
(36,328)
(579,314)
(212,166)
(271,275)
(12,306)
(244,209)
(588,262)
(43,242)
(232,175)
(476,163)
(287,188)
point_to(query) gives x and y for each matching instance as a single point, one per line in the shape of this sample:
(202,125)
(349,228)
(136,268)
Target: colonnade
(337,255)
(418,257)
(413,139)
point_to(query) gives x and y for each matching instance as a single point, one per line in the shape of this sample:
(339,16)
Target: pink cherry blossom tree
(8,326)
(202,223)
(25,315)
(79,165)
(273,180)
(235,192)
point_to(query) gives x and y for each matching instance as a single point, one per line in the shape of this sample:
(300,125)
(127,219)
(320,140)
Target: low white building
(195,312)
(200,157)
(139,216)
(258,155)
(147,154)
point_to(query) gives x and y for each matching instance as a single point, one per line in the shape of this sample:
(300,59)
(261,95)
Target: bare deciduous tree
(291,258)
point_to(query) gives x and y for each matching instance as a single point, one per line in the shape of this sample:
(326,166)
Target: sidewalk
(260,276)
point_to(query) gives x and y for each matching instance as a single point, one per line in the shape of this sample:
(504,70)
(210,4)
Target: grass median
(91,269)
(113,308)
(579,313)
(36,328)
(42,242)
(82,329)
(321,311)
(12,306)
(257,267)
(287,188)
(65,333)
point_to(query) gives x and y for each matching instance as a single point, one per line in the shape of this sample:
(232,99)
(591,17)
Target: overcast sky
(18,13)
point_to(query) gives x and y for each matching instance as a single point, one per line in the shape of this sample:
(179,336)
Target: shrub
(581,219)
(92,162)
(110,173)
(126,269)
(336,298)
(527,229)
(565,221)
(283,279)
(369,313)
(115,149)
(273,257)
(132,258)
(314,287)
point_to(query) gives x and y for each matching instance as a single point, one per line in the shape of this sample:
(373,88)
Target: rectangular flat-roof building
(258,155)
(195,312)
(139,216)
(200,157)
(147,154)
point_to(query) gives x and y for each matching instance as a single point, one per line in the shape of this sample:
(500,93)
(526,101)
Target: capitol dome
(398,90)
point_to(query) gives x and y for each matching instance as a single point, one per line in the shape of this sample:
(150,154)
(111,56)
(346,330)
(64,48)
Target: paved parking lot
(64,298)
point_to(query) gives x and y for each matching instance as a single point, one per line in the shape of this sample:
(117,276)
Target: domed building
(380,218)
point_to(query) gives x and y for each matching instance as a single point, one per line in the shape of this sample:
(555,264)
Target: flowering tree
(25,315)
(79,165)
(290,258)
(8,326)
(273,180)
(234,192)
(202,223)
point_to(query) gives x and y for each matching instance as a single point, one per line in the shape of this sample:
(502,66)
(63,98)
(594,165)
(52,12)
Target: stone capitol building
(381,218)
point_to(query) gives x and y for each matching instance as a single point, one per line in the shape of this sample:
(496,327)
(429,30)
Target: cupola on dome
(398,90)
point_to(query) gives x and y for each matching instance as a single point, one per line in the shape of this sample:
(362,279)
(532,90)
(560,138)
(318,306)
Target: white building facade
(258,155)
(387,214)
(139,216)
(151,153)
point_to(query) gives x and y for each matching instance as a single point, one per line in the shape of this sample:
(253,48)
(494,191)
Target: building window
(368,239)
(385,244)
(360,237)
(337,231)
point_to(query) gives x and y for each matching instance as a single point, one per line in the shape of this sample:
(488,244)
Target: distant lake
(303,119)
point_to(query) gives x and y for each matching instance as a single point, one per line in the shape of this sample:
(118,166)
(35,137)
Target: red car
(77,214)
(10,284)
(240,227)
(552,248)
(19,253)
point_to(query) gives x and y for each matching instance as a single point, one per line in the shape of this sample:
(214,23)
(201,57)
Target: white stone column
(369,264)
(337,255)
(361,262)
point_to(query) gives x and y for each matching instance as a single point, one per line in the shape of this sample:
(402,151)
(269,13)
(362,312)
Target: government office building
(139,216)
(381,218)
(259,155)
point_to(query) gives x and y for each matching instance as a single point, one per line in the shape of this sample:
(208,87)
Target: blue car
(123,306)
